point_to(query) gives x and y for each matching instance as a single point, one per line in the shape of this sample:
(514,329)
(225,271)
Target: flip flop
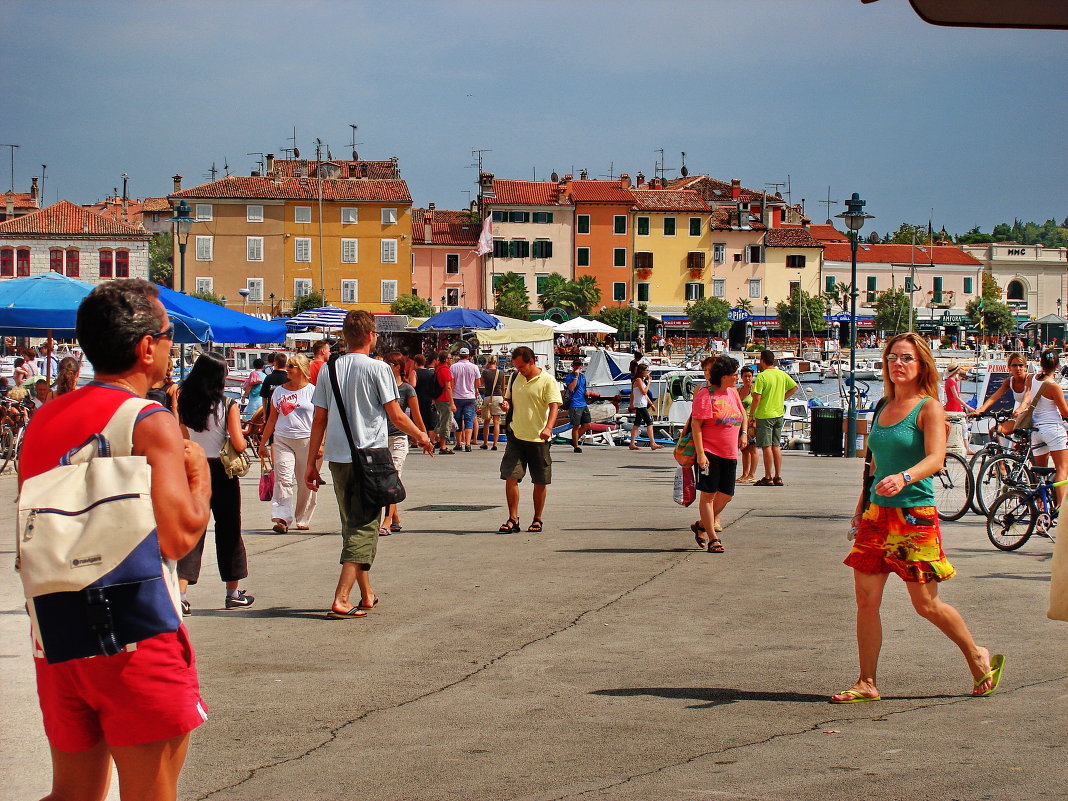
(997,662)
(854,697)
(362,605)
(395,527)
(383,531)
(354,612)
(510,526)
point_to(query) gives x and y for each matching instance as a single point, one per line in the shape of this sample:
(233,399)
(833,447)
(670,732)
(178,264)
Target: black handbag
(379,483)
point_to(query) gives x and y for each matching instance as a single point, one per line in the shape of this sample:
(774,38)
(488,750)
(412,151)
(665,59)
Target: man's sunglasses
(166,333)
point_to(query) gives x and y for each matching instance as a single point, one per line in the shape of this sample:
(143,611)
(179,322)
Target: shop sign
(676,322)
(391,322)
(738,315)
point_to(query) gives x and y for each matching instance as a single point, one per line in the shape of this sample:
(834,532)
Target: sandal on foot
(395,527)
(511,526)
(354,612)
(715,546)
(764,482)
(997,662)
(280,527)
(698,535)
(535,525)
(383,531)
(777,481)
(853,697)
(373,604)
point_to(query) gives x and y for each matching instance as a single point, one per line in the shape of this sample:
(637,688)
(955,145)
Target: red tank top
(67,422)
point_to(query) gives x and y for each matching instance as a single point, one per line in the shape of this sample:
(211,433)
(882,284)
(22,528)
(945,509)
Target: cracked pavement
(605,658)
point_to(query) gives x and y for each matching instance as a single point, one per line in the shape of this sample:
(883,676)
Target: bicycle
(1023,511)
(13,422)
(953,487)
(1004,471)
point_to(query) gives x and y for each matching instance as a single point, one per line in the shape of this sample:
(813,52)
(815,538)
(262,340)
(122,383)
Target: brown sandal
(715,546)
(697,530)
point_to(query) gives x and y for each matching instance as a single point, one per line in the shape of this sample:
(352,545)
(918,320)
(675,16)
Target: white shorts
(398,450)
(1052,435)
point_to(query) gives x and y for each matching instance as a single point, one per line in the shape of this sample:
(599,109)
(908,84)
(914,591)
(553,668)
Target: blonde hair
(927,380)
(300,361)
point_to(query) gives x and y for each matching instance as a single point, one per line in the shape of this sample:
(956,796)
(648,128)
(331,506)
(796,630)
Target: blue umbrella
(323,317)
(47,305)
(456,319)
(227,325)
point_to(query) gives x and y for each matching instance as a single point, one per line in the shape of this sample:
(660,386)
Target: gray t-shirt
(405,393)
(367,386)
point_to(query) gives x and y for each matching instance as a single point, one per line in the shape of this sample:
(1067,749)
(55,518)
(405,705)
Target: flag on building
(485,239)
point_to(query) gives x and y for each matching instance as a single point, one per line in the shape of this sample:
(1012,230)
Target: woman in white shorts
(398,440)
(1050,439)
(493,394)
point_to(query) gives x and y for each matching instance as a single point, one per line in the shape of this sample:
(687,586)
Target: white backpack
(87,549)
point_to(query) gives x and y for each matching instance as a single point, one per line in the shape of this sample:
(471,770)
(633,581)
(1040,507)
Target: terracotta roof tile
(900,254)
(377,170)
(721,219)
(791,238)
(21,200)
(67,219)
(715,191)
(827,233)
(599,192)
(156,204)
(112,207)
(240,187)
(668,200)
(447,228)
(524,193)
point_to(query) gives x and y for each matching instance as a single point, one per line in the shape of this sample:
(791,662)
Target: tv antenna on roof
(611,176)
(226,167)
(477,153)
(13,147)
(828,203)
(682,170)
(354,143)
(210,173)
(258,161)
(661,170)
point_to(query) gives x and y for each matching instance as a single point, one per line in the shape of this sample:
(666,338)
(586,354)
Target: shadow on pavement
(718,696)
(265,612)
(628,550)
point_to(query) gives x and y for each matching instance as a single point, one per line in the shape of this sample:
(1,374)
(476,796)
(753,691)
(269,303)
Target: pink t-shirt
(720,416)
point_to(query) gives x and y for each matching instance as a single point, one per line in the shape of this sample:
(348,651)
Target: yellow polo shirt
(530,403)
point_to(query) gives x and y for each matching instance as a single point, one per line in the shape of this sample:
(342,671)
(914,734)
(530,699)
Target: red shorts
(136,697)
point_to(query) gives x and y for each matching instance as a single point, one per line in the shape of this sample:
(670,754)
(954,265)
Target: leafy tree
(584,294)
(991,289)
(210,297)
(892,310)
(555,293)
(709,315)
(838,296)
(161,260)
(974,237)
(1002,232)
(411,305)
(905,233)
(744,303)
(512,299)
(622,317)
(996,317)
(313,300)
(810,308)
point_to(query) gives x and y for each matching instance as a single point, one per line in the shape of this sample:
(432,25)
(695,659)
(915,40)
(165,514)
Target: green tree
(210,297)
(622,318)
(974,237)
(804,308)
(892,310)
(161,260)
(990,316)
(411,305)
(1002,232)
(511,297)
(838,296)
(744,303)
(904,235)
(991,289)
(708,315)
(313,300)
(584,294)
(555,294)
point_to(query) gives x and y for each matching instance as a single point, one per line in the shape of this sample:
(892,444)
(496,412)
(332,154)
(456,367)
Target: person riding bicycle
(1016,383)
(1050,437)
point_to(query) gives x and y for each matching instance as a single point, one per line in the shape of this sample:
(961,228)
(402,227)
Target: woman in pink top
(718,423)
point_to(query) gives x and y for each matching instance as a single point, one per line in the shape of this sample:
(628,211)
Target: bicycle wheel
(952,488)
(1000,474)
(976,464)
(7,447)
(1011,520)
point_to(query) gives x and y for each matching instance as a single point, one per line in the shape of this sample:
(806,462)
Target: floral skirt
(906,541)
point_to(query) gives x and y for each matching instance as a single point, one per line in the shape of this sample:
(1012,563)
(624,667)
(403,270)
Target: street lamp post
(244,293)
(183,224)
(854,218)
(765,322)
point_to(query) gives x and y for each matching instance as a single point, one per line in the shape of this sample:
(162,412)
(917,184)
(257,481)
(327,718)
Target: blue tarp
(456,319)
(226,324)
(39,304)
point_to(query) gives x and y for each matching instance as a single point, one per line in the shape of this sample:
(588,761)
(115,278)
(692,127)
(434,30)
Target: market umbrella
(44,305)
(548,323)
(324,317)
(458,319)
(227,325)
(580,325)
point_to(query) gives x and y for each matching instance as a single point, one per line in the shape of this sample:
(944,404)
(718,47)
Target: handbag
(235,465)
(373,468)
(1058,586)
(480,402)
(1023,419)
(266,481)
(685,490)
(685,451)
(88,552)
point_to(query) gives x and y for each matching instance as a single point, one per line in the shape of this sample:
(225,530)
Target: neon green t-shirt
(772,385)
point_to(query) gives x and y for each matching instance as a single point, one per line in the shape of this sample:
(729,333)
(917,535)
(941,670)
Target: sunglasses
(1013,366)
(906,358)
(166,333)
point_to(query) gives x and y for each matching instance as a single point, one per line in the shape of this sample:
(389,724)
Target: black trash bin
(826,438)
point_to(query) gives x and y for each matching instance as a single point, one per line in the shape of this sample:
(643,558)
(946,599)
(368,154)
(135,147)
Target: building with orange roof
(15,204)
(604,234)
(532,224)
(73,241)
(294,231)
(1033,277)
(446,271)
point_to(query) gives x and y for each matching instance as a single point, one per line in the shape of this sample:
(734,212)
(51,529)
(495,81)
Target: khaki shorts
(768,432)
(491,407)
(444,418)
(359,525)
(520,456)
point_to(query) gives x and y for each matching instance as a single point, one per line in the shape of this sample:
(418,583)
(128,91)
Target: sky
(958,126)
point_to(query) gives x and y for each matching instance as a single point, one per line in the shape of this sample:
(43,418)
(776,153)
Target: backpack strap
(119,430)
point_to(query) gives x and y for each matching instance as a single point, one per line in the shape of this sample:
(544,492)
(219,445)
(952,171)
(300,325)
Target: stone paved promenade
(603,659)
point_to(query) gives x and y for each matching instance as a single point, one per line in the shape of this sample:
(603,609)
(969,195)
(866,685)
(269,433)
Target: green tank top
(896,448)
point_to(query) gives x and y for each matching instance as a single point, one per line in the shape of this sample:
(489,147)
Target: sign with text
(738,315)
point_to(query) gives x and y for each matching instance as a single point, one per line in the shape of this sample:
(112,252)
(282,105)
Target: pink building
(445,269)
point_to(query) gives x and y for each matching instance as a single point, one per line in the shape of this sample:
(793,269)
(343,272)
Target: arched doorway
(1015,290)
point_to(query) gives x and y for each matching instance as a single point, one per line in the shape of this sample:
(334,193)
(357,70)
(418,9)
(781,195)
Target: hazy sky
(860,98)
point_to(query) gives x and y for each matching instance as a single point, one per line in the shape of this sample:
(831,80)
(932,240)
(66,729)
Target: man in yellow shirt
(531,400)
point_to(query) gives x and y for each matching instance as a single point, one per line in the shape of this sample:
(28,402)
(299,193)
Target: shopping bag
(685,486)
(266,481)
(1058,587)
(685,452)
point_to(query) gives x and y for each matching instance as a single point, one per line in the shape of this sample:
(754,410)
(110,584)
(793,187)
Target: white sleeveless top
(1046,412)
(212,437)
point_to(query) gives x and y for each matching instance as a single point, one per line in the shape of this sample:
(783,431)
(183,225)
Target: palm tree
(556,292)
(584,294)
(839,295)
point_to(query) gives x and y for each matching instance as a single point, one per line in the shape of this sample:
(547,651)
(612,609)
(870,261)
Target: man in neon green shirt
(770,391)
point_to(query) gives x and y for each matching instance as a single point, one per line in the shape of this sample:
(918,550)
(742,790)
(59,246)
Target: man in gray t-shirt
(369,394)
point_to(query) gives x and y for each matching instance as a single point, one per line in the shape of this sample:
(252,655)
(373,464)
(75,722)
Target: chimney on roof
(270,164)
(255,173)
(352,169)
(395,163)
(10,196)
(35,191)
(177,182)
(640,178)
(485,181)
(624,181)
(736,188)
(428,224)
(583,175)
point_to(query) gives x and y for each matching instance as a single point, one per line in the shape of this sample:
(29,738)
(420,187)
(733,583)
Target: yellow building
(304,227)
(671,250)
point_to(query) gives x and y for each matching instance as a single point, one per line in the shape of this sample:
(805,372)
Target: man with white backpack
(116,674)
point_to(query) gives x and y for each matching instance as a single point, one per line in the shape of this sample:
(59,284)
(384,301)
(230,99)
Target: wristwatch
(907,477)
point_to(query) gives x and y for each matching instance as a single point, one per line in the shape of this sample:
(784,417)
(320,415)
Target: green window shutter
(938,289)
(695,226)
(643,293)
(619,290)
(583,257)
(619,257)
(542,281)
(967,285)
(669,226)
(584,223)
(828,283)
(643,226)
(619,224)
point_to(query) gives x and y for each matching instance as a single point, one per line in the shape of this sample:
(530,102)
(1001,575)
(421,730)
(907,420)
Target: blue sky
(860,98)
